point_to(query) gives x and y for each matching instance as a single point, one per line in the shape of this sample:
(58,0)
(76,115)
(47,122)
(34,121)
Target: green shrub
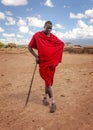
(10,45)
(1,45)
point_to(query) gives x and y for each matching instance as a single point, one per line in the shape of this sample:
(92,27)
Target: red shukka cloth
(50,48)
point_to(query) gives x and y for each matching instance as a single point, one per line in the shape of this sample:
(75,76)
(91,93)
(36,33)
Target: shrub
(10,45)
(78,49)
(1,45)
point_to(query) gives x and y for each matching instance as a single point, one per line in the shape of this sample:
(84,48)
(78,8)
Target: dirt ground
(73,90)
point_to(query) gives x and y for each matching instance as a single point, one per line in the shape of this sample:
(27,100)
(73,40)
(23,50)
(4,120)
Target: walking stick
(31,85)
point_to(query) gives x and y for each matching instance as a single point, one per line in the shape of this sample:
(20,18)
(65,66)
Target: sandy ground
(73,89)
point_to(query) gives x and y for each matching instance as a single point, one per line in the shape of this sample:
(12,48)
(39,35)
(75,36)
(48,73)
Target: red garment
(50,50)
(47,73)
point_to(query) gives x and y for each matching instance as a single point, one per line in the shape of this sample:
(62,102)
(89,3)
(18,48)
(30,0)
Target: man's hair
(48,22)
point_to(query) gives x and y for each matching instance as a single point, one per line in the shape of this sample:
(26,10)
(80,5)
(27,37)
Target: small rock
(2,74)
(88,113)
(62,95)
(33,120)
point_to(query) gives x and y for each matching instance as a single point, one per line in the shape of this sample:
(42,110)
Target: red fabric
(50,50)
(47,73)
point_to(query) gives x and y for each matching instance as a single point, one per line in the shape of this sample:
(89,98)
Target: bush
(1,45)
(79,50)
(10,45)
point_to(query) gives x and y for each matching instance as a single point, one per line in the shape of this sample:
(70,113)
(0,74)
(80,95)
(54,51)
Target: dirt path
(73,89)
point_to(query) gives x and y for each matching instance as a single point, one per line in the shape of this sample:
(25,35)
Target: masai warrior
(50,50)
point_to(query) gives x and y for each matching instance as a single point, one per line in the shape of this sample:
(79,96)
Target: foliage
(1,45)
(11,45)
(78,49)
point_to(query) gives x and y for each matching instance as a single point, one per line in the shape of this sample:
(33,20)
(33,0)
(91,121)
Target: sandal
(52,108)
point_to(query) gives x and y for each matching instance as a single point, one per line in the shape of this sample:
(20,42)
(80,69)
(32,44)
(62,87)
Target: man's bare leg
(45,101)
(48,90)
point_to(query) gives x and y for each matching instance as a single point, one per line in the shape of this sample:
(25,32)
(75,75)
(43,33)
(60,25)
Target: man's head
(48,27)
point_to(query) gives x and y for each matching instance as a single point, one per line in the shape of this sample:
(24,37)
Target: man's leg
(47,73)
(48,90)
(47,93)
(45,101)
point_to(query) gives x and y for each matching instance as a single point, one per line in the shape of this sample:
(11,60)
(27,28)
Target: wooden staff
(30,85)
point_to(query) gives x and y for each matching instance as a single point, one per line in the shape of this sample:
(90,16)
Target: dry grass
(79,49)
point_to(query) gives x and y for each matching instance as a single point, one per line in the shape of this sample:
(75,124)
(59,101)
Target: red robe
(50,50)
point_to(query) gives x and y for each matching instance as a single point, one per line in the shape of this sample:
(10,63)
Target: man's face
(48,28)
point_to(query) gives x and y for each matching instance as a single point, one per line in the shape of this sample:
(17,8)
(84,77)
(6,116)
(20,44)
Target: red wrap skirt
(47,74)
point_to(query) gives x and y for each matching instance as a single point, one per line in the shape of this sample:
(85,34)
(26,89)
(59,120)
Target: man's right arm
(34,54)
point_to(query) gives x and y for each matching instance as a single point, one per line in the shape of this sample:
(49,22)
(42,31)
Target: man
(50,50)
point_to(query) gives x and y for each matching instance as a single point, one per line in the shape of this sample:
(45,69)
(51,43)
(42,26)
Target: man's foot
(52,108)
(45,102)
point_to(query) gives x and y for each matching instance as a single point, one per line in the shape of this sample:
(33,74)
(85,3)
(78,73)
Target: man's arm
(34,54)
